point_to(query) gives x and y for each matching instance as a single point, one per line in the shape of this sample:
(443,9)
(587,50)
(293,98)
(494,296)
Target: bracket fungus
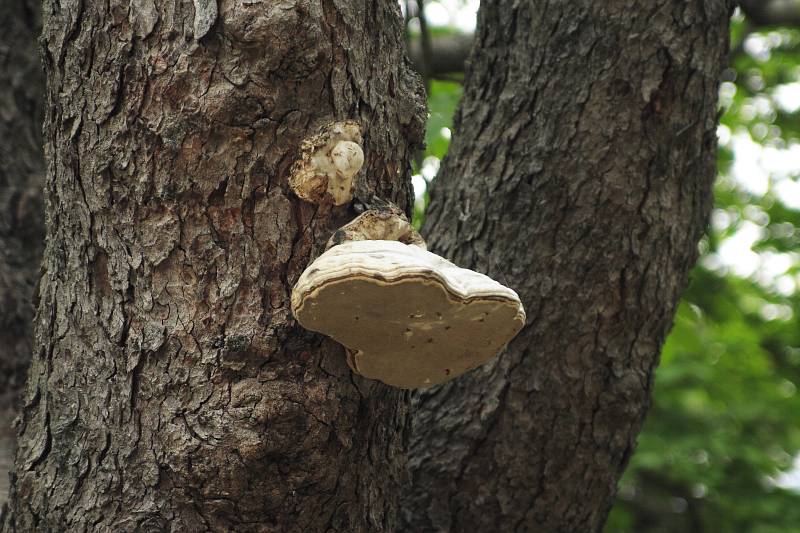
(406,316)
(328,163)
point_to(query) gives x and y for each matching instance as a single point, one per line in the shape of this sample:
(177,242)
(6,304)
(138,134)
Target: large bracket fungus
(328,163)
(407,317)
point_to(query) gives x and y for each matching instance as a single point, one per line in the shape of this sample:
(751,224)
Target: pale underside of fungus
(407,317)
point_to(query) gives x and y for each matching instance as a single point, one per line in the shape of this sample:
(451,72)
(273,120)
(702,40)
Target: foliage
(443,97)
(724,427)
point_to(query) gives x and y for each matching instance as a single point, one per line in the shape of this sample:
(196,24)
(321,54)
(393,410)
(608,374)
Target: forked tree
(172,390)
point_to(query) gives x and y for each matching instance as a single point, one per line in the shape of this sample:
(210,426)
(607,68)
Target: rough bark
(580,175)
(170,387)
(21,208)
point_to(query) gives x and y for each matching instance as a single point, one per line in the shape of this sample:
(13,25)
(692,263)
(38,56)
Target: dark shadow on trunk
(21,207)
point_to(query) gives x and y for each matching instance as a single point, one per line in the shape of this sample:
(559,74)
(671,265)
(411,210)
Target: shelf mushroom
(407,317)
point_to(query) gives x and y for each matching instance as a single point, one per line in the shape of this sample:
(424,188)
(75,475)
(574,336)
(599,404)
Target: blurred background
(720,450)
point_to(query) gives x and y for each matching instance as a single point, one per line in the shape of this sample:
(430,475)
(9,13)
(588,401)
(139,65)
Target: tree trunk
(171,389)
(581,175)
(21,208)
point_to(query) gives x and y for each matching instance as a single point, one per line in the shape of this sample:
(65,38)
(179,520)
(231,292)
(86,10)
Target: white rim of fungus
(393,261)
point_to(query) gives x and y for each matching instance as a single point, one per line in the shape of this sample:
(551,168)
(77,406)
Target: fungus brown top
(408,317)
(387,224)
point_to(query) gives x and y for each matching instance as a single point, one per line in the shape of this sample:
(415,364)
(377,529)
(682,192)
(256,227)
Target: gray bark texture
(581,175)
(21,207)
(170,388)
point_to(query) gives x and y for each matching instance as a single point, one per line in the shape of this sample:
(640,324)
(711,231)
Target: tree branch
(448,53)
(774,13)
(568,177)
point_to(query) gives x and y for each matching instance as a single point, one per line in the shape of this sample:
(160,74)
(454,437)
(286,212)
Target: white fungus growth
(348,158)
(328,164)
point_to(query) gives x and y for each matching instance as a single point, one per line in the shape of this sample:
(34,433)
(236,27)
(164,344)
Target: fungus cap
(408,317)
